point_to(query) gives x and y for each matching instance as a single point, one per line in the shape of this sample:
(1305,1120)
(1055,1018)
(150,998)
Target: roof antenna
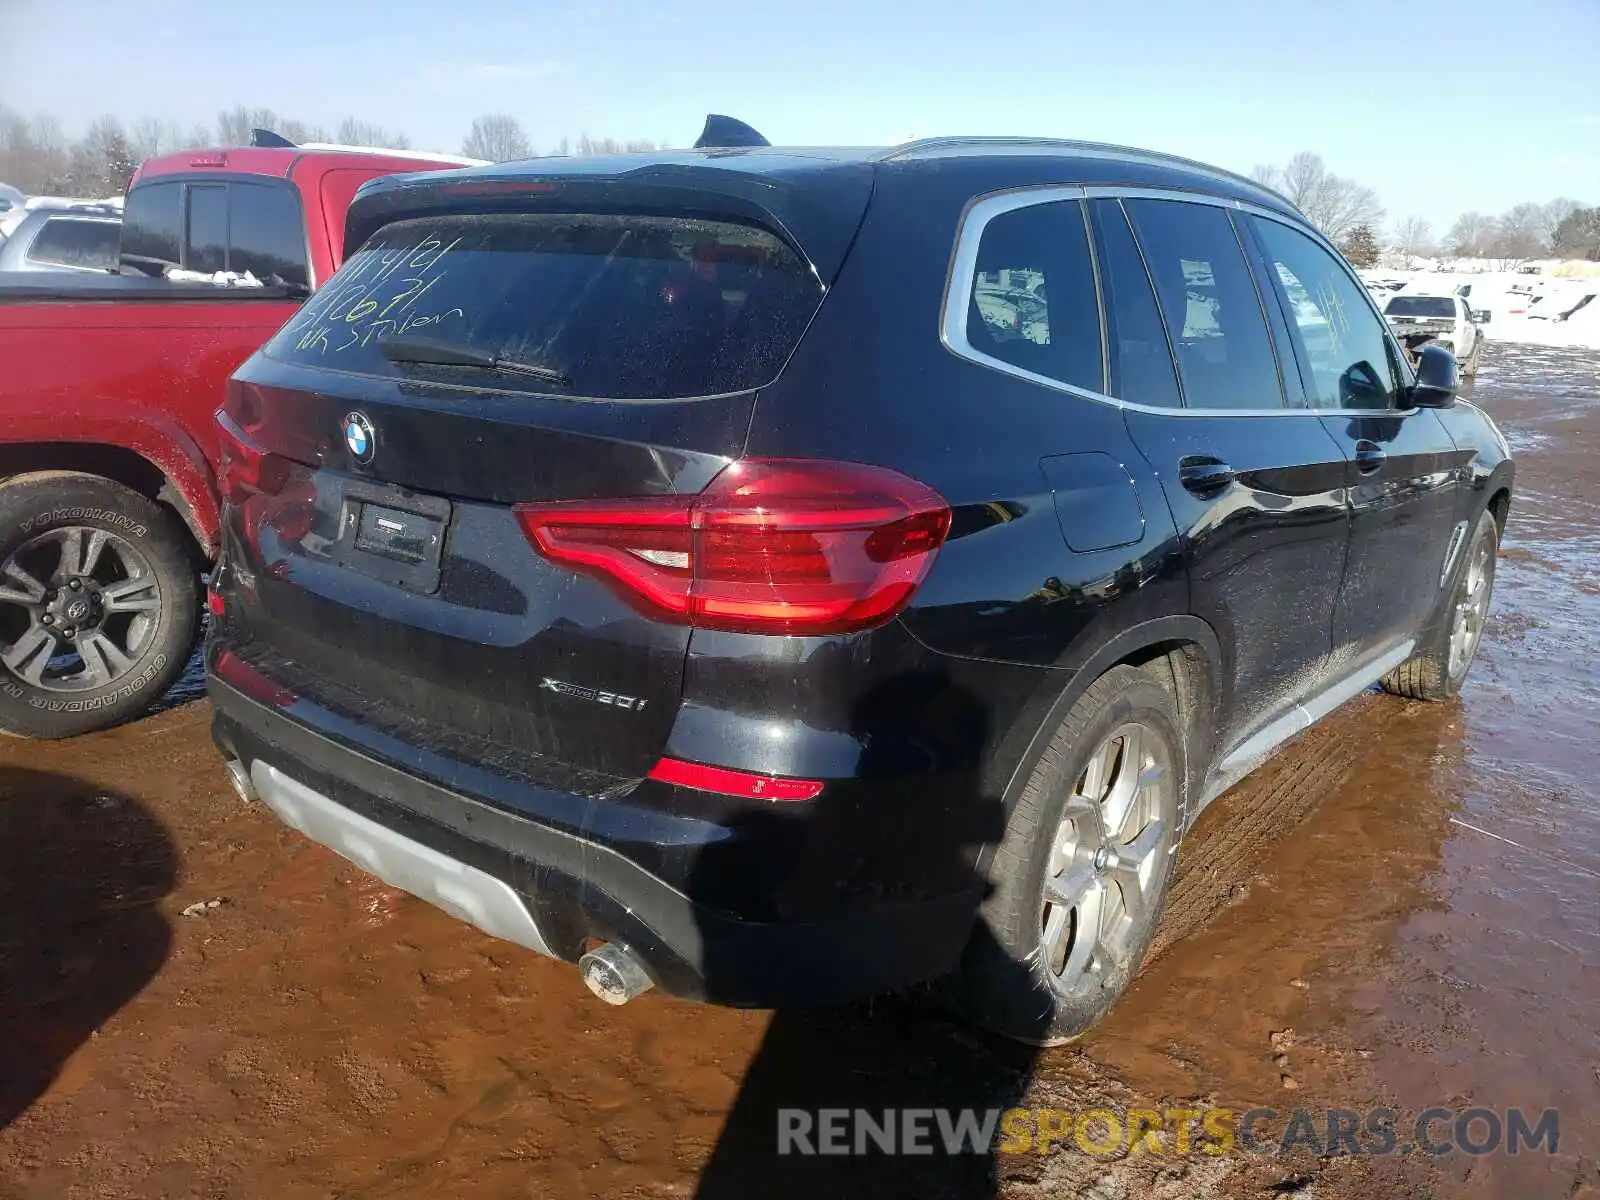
(725,132)
(266,138)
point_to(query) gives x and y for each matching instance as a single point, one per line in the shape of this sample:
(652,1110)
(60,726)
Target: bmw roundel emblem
(359,437)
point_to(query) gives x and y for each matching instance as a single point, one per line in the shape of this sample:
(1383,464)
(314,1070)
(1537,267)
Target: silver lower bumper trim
(462,891)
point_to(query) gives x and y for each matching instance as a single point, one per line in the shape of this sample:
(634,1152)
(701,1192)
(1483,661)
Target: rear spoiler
(816,205)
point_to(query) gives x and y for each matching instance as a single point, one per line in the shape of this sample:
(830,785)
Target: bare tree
(1331,202)
(151,136)
(354,132)
(588,146)
(1414,236)
(234,126)
(1555,212)
(1517,234)
(1265,174)
(498,138)
(1468,236)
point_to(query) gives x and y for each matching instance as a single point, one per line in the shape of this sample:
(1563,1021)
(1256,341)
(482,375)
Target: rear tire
(1445,654)
(1081,873)
(98,603)
(1469,369)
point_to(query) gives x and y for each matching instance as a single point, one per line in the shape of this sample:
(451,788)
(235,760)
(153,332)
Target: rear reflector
(216,604)
(793,546)
(733,783)
(245,679)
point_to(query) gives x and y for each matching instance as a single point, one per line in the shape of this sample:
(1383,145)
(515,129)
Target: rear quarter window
(626,307)
(1033,304)
(69,242)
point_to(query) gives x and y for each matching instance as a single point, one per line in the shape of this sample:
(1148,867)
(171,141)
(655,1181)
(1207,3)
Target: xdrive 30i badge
(579,692)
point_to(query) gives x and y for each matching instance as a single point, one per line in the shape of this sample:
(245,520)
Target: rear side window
(152,228)
(1033,302)
(1341,338)
(267,234)
(208,228)
(215,226)
(624,307)
(1141,361)
(65,242)
(1213,314)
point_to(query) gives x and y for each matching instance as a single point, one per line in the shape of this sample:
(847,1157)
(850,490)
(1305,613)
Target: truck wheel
(98,604)
(1081,872)
(1439,667)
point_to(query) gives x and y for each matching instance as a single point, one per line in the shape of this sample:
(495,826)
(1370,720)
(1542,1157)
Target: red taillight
(264,487)
(797,546)
(217,606)
(733,783)
(242,464)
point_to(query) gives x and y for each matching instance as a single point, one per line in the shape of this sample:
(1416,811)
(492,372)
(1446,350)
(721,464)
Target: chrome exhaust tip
(614,974)
(239,776)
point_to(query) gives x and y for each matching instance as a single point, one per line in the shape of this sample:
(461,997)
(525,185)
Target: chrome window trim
(963,269)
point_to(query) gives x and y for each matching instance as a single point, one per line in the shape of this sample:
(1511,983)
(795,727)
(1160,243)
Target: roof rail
(1068,146)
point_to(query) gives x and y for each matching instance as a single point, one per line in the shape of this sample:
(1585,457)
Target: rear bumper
(555,891)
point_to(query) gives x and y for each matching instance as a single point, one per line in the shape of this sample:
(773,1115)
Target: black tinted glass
(208,227)
(1141,362)
(267,236)
(1342,340)
(66,242)
(152,229)
(1212,312)
(1033,301)
(623,306)
(1421,306)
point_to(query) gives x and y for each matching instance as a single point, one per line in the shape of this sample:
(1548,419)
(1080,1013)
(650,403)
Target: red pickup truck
(108,386)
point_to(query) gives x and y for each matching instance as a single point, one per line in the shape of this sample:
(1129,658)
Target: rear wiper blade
(439,353)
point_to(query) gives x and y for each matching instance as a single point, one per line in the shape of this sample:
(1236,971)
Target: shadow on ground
(81,873)
(890,1058)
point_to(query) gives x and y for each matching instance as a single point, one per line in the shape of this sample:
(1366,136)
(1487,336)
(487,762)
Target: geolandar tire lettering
(90,643)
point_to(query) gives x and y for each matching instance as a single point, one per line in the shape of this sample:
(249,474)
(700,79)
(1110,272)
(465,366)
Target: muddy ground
(317,1034)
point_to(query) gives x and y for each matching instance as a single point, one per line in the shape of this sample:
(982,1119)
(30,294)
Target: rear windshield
(1421,306)
(624,307)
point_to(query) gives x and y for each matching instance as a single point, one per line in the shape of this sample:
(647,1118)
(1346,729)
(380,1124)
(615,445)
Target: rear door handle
(1369,457)
(1204,475)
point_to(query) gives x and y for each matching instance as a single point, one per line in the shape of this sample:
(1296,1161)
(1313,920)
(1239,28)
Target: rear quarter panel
(143,375)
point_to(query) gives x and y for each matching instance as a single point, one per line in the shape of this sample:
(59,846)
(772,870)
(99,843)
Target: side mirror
(1480,316)
(1437,378)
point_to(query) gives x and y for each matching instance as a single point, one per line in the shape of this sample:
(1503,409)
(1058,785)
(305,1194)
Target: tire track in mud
(1236,835)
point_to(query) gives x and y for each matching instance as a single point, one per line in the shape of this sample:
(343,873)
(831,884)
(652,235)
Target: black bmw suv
(785,575)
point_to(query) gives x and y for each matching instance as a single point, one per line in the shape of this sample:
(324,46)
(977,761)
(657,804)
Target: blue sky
(1490,104)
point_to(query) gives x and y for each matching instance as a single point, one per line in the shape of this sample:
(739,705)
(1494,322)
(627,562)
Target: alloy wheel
(78,607)
(1105,859)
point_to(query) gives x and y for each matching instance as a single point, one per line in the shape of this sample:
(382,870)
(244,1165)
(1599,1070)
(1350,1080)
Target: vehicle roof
(1069,159)
(281,161)
(815,194)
